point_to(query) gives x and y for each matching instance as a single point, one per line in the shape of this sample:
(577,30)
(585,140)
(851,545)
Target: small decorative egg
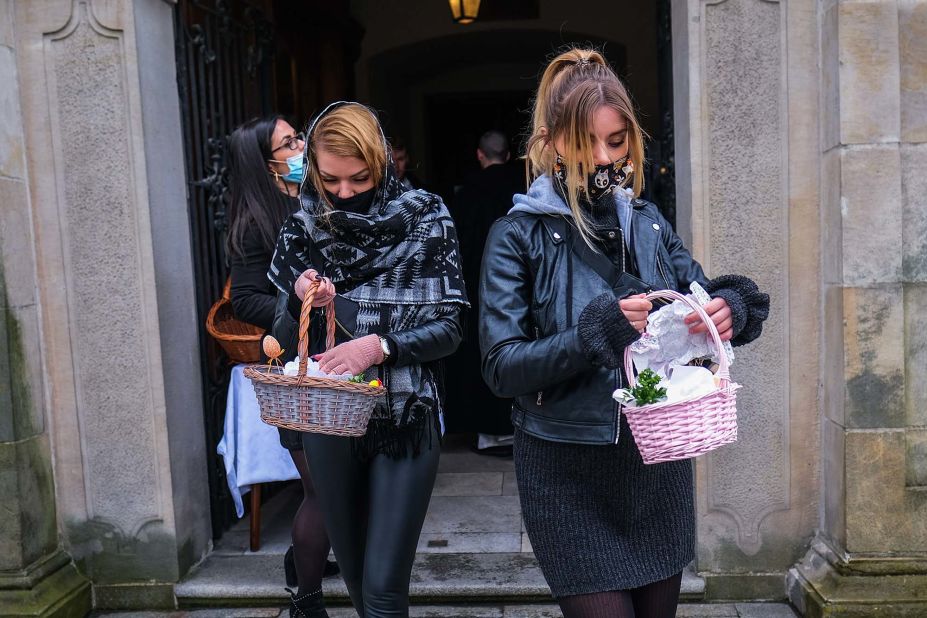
(375,383)
(271,347)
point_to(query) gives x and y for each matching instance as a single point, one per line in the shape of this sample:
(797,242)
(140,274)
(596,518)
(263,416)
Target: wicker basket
(316,405)
(240,340)
(690,427)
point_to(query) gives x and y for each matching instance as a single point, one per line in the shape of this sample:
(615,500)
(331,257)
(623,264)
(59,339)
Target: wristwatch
(384,345)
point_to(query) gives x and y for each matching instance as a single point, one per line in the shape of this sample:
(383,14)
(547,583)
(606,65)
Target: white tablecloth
(251,448)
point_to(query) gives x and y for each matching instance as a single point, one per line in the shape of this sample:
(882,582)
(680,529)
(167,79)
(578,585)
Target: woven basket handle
(722,373)
(303,347)
(227,288)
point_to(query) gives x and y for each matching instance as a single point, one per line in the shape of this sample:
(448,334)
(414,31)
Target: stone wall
(747,153)
(113,266)
(872,547)
(35,576)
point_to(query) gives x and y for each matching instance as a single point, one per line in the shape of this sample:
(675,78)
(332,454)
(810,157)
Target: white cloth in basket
(667,342)
(250,448)
(312,370)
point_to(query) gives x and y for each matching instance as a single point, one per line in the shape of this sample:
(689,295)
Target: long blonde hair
(349,130)
(574,85)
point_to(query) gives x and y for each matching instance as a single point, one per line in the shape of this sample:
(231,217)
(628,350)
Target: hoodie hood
(542,199)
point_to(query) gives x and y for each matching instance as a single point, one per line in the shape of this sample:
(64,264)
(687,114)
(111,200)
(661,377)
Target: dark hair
(254,199)
(495,145)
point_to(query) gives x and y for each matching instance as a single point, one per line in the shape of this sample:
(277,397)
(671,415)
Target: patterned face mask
(603,179)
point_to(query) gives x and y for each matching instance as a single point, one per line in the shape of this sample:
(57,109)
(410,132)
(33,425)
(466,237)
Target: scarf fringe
(384,437)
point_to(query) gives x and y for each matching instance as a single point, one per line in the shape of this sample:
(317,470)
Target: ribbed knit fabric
(599,519)
(604,332)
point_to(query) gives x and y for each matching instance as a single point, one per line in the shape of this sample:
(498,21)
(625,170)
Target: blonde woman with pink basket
(561,298)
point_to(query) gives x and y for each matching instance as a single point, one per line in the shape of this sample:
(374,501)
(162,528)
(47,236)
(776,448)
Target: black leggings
(373,513)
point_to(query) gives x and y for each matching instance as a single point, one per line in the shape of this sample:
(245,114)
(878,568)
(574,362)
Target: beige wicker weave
(316,405)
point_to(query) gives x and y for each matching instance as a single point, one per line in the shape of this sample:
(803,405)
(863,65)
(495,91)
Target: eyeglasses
(291,142)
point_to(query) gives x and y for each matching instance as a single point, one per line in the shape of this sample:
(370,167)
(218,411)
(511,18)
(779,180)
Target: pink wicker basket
(690,427)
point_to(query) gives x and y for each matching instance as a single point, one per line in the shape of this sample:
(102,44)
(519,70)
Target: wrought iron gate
(225,56)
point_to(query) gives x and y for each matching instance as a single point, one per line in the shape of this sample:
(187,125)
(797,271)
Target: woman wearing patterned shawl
(389,259)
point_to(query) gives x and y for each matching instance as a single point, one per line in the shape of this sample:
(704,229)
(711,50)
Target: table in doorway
(251,450)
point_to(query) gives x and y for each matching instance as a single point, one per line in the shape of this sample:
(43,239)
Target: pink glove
(323,295)
(353,357)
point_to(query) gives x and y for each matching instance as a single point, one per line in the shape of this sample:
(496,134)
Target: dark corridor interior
(436,84)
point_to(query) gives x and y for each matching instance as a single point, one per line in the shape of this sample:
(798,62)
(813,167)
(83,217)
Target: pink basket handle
(722,373)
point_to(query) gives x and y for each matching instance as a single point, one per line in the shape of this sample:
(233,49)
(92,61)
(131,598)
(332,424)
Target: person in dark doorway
(611,534)
(486,196)
(402,161)
(391,256)
(265,169)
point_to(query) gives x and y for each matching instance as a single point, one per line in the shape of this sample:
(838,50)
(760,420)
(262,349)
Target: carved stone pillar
(747,162)
(37,578)
(114,279)
(870,555)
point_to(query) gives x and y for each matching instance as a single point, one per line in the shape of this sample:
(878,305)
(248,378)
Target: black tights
(656,600)
(310,543)
(374,513)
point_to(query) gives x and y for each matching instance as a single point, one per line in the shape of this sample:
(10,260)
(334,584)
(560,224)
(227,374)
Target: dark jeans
(373,513)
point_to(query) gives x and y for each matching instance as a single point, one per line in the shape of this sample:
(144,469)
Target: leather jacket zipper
(662,273)
(540,399)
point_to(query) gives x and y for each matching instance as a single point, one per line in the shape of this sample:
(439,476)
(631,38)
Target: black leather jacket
(533,288)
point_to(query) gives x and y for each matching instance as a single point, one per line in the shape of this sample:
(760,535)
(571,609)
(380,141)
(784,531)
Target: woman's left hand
(353,357)
(720,314)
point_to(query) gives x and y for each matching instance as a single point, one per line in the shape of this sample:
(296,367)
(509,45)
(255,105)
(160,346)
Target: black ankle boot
(310,605)
(289,568)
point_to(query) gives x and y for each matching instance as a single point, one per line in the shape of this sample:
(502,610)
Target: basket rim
(211,328)
(260,372)
(627,408)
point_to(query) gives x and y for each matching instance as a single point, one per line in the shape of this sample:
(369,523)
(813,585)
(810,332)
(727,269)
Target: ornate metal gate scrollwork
(225,53)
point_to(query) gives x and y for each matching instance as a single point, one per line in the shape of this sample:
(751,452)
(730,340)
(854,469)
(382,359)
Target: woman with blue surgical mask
(265,157)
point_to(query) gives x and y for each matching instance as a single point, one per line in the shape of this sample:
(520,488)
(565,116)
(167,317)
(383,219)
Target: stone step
(257,579)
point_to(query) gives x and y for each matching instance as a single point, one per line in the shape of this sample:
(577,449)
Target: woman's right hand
(323,295)
(636,309)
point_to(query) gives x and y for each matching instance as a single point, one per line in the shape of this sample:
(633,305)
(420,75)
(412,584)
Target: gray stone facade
(801,131)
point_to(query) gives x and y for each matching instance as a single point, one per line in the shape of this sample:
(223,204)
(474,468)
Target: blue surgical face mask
(297,169)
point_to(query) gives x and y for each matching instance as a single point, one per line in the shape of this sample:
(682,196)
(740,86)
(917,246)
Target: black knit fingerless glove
(605,332)
(749,306)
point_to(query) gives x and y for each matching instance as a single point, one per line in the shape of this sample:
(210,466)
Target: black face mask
(604,179)
(359,202)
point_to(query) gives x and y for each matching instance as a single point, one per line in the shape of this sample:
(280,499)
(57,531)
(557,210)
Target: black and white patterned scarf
(400,263)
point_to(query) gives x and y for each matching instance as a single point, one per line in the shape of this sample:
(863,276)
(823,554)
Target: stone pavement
(690,610)
(474,557)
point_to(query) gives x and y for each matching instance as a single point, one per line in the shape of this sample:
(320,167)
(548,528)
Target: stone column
(117,332)
(747,160)
(870,555)
(37,578)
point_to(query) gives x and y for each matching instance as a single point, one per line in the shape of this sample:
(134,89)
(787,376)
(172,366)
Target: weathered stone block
(833,462)
(12,163)
(915,354)
(916,457)
(830,77)
(912,40)
(869,74)
(25,357)
(28,527)
(914,211)
(883,515)
(874,363)
(871,219)
(16,246)
(833,374)
(831,218)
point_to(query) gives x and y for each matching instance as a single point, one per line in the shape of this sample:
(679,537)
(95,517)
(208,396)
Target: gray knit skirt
(599,519)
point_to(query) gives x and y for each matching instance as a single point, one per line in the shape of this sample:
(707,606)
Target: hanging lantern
(465,11)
